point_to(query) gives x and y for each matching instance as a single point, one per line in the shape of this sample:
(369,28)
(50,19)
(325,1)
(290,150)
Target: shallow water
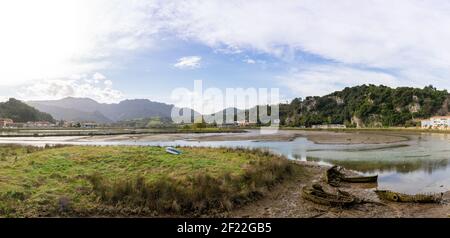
(420,165)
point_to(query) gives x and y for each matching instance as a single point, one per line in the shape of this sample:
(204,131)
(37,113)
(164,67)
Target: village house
(89,125)
(68,124)
(329,126)
(39,124)
(65,124)
(245,123)
(6,122)
(437,122)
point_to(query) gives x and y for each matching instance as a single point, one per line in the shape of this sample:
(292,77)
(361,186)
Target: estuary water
(419,165)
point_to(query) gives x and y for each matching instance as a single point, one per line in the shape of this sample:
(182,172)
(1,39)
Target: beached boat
(401,197)
(360,179)
(173,151)
(335,176)
(316,194)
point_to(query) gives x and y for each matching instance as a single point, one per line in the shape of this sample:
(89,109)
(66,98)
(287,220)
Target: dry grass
(198,194)
(134,181)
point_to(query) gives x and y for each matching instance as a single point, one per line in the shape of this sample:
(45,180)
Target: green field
(79,181)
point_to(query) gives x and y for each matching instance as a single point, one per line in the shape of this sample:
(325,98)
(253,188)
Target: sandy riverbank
(320,137)
(285,201)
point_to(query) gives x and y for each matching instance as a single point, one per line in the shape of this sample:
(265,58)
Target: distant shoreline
(389,129)
(318,137)
(107,132)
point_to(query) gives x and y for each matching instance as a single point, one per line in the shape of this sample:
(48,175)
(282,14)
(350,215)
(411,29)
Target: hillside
(21,112)
(71,114)
(367,106)
(85,109)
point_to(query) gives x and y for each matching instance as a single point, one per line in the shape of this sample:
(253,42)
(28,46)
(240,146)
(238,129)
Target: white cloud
(3,98)
(189,62)
(408,36)
(350,31)
(321,80)
(98,76)
(79,86)
(250,61)
(53,39)
(108,83)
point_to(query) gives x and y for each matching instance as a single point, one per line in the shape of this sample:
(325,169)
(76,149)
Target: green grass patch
(133,181)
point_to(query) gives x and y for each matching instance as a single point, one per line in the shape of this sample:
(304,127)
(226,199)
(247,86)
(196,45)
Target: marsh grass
(134,181)
(197,194)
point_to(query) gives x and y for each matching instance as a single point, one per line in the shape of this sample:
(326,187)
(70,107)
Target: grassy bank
(133,181)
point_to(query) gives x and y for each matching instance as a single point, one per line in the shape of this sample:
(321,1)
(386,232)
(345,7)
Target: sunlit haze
(114,50)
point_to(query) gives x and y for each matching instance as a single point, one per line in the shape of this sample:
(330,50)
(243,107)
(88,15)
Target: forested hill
(367,106)
(21,112)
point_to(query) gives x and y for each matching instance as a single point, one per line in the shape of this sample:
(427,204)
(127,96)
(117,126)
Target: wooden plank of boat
(360,179)
(401,197)
(335,176)
(324,198)
(173,151)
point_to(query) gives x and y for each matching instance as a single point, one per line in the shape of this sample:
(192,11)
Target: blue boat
(173,151)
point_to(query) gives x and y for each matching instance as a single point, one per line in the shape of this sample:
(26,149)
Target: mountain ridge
(19,111)
(87,109)
(358,106)
(367,106)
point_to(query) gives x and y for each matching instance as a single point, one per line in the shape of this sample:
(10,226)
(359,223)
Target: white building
(39,124)
(438,122)
(89,125)
(329,126)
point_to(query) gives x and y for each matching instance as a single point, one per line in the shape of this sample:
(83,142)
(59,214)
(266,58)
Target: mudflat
(319,137)
(286,201)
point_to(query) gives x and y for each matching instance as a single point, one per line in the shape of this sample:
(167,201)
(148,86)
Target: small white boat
(173,151)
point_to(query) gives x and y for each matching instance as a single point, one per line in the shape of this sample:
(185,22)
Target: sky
(111,50)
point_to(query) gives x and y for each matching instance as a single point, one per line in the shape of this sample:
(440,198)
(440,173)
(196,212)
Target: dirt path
(286,202)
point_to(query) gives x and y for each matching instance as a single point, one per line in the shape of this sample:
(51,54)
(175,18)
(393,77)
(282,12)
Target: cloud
(54,39)
(98,76)
(108,83)
(407,36)
(350,31)
(320,80)
(189,62)
(250,61)
(76,86)
(3,98)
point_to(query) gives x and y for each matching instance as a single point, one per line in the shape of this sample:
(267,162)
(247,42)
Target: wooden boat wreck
(401,197)
(360,179)
(335,176)
(316,194)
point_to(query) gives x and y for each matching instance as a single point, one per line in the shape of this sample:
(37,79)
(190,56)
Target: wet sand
(319,137)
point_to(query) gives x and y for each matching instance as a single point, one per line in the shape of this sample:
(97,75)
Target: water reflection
(404,167)
(419,165)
